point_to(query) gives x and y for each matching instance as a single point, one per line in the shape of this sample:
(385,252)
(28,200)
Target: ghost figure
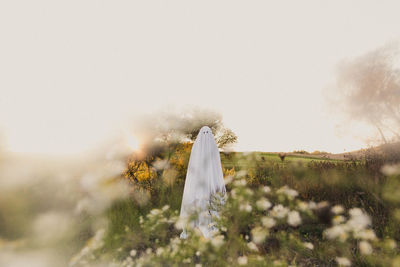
(204,184)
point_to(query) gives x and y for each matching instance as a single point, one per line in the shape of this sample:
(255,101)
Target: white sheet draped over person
(204,185)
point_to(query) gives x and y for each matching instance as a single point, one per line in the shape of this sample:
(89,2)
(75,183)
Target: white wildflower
(198,265)
(240,182)
(336,231)
(290,193)
(133,253)
(358,220)
(180,223)
(174,243)
(159,251)
(245,207)
(155,212)
(258,234)
(228,179)
(165,208)
(263,203)
(241,173)
(303,206)
(294,218)
(148,250)
(242,260)
(355,212)
(342,261)
(279,211)
(252,246)
(234,193)
(249,191)
(367,234)
(308,245)
(268,222)
(266,189)
(94,243)
(312,205)
(217,241)
(337,209)
(365,248)
(338,219)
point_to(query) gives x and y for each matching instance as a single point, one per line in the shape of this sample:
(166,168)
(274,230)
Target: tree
(369,89)
(168,136)
(172,127)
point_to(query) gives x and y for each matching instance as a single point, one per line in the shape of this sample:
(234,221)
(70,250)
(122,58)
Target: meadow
(305,210)
(302,211)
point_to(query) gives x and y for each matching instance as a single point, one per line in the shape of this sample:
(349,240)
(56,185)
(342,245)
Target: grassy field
(241,159)
(306,210)
(350,185)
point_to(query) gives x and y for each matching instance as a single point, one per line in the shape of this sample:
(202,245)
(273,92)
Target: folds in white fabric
(204,183)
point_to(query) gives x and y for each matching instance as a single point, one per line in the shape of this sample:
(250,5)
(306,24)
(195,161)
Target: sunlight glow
(132,142)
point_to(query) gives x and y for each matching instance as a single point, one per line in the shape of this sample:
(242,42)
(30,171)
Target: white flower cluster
(279,211)
(242,260)
(86,253)
(263,204)
(289,211)
(290,193)
(343,261)
(259,234)
(158,216)
(245,207)
(175,248)
(240,182)
(357,225)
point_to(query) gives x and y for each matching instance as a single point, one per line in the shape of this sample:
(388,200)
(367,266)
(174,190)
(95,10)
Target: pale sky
(73,73)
